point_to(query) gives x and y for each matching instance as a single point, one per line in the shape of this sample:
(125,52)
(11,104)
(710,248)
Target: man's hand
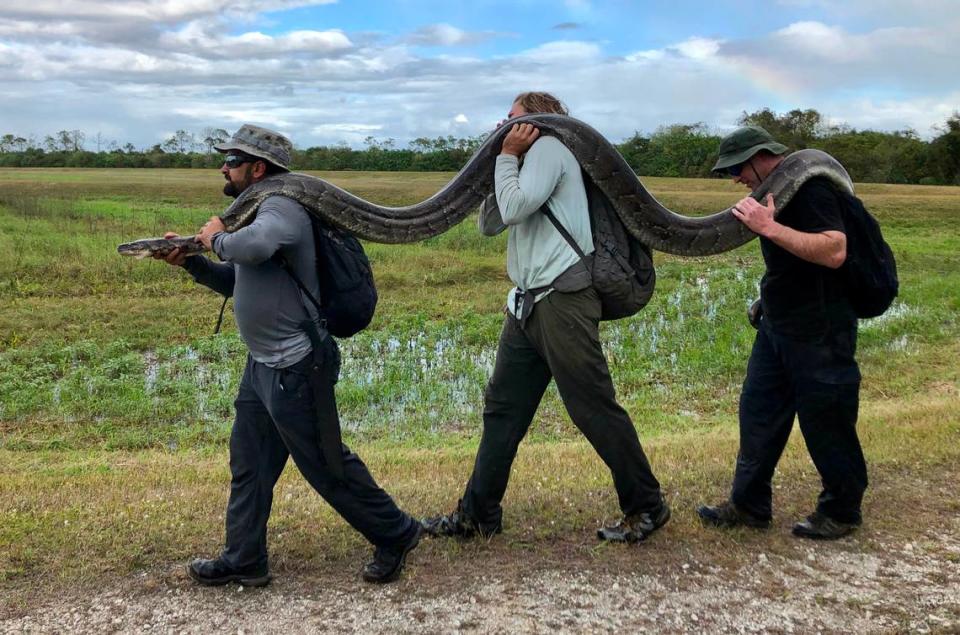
(174,258)
(828,248)
(758,218)
(214,226)
(519,139)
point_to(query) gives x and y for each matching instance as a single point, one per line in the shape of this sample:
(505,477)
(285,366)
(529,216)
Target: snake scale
(643,216)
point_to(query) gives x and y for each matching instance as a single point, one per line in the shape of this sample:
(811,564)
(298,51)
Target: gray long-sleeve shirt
(536,252)
(268,305)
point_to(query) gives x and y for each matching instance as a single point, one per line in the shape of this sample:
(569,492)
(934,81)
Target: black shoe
(820,527)
(388,563)
(727,514)
(456,525)
(216,572)
(636,527)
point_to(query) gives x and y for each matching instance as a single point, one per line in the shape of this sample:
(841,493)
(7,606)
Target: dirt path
(900,573)
(870,583)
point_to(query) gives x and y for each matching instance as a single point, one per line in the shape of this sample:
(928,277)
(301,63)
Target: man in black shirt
(802,363)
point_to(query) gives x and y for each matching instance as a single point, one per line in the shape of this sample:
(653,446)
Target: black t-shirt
(803,300)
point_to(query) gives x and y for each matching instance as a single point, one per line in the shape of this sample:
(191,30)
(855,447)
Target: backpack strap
(563,232)
(280,260)
(223,307)
(328,419)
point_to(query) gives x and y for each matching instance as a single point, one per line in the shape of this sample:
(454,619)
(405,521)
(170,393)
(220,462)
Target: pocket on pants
(293,378)
(292,382)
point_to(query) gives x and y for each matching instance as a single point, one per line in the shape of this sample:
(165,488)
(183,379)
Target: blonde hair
(541,102)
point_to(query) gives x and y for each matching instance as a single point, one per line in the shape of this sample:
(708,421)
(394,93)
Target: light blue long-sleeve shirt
(536,252)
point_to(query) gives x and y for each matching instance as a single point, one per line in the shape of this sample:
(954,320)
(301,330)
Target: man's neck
(768,166)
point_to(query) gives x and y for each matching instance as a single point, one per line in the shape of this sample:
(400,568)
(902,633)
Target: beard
(234,189)
(230,189)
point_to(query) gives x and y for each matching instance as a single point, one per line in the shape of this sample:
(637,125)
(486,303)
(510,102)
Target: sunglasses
(236,160)
(736,170)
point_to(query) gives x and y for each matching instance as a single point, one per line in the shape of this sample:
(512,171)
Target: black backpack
(347,290)
(870,271)
(621,267)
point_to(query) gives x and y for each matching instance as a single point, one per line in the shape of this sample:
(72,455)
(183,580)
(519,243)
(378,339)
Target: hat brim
(227,146)
(730,160)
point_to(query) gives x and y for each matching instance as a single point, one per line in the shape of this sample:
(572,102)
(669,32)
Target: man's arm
(828,248)
(520,193)
(218,276)
(275,226)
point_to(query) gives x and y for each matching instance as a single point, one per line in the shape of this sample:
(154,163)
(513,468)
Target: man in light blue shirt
(551,331)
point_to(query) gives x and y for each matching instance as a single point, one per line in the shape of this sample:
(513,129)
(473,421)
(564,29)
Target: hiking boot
(388,563)
(216,572)
(728,515)
(456,524)
(820,527)
(636,527)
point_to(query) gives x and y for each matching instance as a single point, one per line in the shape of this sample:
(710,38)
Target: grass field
(116,399)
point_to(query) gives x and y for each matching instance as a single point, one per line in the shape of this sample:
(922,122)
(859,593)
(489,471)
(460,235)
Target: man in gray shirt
(551,331)
(286,397)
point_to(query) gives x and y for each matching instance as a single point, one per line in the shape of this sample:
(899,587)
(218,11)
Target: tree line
(681,150)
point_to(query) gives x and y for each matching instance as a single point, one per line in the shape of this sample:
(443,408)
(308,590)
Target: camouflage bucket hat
(261,143)
(743,143)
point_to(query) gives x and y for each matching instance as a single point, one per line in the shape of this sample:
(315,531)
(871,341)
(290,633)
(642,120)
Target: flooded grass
(97,350)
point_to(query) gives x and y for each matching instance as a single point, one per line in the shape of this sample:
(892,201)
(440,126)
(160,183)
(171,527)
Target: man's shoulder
(282,202)
(816,192)
(551,147)
(550,143)
(818,186)
(285,207)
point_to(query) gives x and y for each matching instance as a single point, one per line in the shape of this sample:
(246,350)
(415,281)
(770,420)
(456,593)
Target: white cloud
(169,65)
(920,114)
(651,55)
(146,10)
(814,61)
(559,51)
(198,38)
(447,35)
(817,40)
(698,48)
(903,12)
(347,127)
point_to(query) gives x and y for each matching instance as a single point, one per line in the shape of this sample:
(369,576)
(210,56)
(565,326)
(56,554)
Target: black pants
(275,419)
(560,340)
(819,383)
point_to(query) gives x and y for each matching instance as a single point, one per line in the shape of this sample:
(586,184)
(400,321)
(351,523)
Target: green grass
(116,399)
(102,351)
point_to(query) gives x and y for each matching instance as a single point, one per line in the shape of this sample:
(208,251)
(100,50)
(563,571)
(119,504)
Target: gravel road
(865,584)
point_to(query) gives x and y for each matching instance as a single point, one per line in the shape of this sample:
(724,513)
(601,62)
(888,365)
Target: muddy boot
(456,524)
(820,527)
(727,514)
(637,527)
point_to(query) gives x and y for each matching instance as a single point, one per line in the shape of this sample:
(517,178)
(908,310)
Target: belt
(525,308)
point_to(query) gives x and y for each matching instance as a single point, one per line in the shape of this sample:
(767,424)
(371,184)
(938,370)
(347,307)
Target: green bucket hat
(743,143)
(261,143)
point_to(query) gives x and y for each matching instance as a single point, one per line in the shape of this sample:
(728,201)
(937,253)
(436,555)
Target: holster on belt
(322,378)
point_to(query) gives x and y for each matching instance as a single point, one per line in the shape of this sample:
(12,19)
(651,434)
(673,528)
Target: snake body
(646,218)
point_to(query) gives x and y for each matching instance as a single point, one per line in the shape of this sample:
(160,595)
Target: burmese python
(649,221)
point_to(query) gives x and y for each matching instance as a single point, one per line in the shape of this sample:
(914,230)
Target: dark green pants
(560,340)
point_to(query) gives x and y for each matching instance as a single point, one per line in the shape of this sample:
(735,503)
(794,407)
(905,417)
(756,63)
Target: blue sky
(328,72)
